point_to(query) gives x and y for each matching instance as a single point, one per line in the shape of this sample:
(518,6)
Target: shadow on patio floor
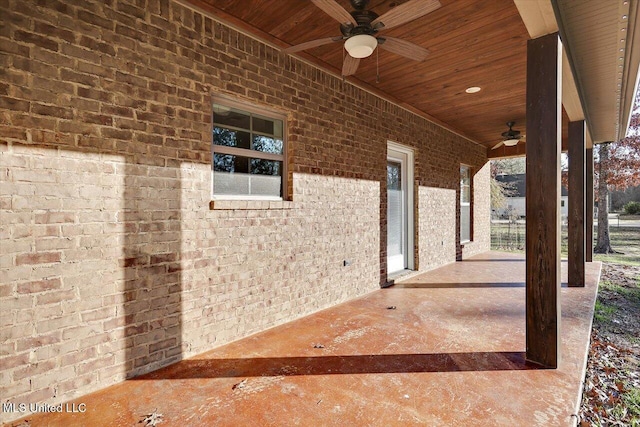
(344,365)
(459,285)
(417,285)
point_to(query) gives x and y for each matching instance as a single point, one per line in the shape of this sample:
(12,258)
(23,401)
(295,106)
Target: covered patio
(446,347)
(204,199)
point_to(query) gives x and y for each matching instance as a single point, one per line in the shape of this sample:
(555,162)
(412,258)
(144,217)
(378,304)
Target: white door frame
(397,152)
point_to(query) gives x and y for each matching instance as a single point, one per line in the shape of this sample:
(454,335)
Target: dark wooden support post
(589,207)
(576,220)
(544,91)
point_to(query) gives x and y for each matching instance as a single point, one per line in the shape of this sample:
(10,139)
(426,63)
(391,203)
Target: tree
(617,167)
(501,190)
(512,166)
(603,245)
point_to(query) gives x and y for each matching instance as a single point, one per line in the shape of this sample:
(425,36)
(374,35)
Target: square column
(544,127)
(589,206)
(577,186)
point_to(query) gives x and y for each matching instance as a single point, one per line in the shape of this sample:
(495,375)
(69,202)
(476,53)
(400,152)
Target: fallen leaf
(239,385)
(152,419)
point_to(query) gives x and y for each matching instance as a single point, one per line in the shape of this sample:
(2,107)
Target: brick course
(114,263)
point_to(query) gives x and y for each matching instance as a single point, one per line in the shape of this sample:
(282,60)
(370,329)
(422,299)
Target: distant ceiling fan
(510,137)
(360,28)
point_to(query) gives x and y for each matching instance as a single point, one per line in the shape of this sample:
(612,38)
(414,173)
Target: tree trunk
(603,245)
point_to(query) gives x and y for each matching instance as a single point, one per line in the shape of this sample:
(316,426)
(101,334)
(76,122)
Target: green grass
(611,286)
(632,294)
(617,259)
(625,240)
(613,301)
(604,312)
(629,408)
(632,401)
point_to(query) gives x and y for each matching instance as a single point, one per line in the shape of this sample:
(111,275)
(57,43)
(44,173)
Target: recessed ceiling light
(473,89)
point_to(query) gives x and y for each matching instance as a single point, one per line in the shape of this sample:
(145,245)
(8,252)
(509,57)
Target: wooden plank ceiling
(471,43)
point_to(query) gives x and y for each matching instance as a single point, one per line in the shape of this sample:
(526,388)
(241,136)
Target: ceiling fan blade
(334,10)
(403,47)
(350,65)
(498,145)
(310,44)
(406,12)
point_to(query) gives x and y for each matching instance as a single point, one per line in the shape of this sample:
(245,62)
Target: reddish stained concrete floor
(449,354)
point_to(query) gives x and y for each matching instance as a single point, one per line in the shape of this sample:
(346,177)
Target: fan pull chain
(343,76)
(377,65)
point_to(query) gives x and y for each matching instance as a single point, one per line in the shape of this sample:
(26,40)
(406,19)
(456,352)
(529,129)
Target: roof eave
(631,69)
(607,116)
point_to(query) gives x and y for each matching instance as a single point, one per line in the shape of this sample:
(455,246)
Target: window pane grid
(275,134)
(240,129)
(248,153)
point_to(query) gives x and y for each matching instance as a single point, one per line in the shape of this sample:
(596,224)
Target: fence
(508,235)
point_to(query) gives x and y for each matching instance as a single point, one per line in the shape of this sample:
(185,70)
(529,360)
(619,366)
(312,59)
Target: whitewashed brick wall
(481,214)
(436,227)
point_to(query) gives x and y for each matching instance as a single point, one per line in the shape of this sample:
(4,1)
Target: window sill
(229,204)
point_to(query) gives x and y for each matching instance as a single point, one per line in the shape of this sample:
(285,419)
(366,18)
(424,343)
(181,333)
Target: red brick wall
(112,261)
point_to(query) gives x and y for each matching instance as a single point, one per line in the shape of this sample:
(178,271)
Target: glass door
(396,213)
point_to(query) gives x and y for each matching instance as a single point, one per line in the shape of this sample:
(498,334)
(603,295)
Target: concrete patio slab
(444,348)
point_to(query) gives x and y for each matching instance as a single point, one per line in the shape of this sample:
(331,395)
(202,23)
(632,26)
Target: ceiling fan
(510,137)
(360,29)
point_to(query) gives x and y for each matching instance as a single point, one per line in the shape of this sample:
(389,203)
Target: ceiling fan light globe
(511,142)
(361,46)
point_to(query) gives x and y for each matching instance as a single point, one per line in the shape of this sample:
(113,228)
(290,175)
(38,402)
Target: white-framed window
(248,152)
(465,204)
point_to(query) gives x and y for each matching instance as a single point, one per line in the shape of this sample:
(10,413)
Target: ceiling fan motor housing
(363,18)
(511,134)
(359,4)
